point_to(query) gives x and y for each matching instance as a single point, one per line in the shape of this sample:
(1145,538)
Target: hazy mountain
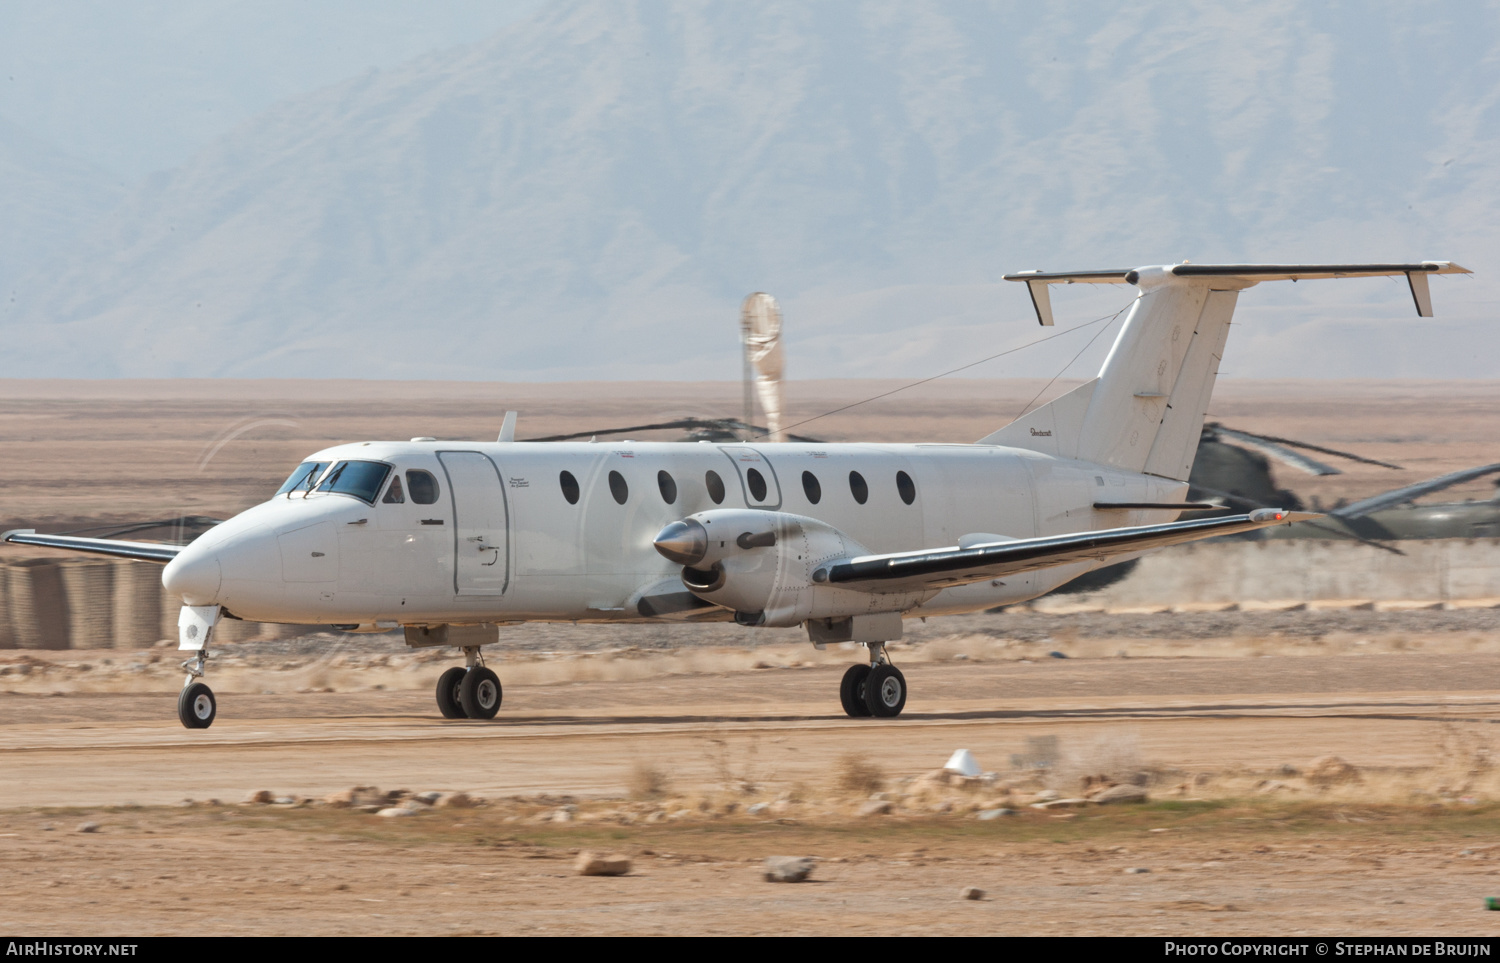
(46,200)
(590,192)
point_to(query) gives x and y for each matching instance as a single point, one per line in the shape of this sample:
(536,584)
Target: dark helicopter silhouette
(1232,469)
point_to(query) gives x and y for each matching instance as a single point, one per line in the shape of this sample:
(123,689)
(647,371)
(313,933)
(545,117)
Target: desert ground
(1284,772)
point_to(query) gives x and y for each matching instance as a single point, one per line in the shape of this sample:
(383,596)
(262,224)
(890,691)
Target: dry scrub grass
(857,773)
(646,781)
(1114,756)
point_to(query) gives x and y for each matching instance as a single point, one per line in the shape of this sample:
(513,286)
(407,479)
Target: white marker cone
(962,761)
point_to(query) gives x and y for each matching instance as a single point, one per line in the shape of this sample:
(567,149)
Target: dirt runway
(1215,852)
(584,737)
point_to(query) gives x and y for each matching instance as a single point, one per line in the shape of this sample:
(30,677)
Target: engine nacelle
(766,567)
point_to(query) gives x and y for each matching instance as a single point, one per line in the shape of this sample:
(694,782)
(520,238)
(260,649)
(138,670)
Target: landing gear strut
(196,706)
(471,691)
(877,689)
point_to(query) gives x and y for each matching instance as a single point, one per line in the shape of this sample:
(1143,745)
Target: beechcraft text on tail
(453,541)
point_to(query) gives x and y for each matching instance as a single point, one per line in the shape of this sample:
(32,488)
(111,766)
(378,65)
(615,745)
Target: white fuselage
(502,542)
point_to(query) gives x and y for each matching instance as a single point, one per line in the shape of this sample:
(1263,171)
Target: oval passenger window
(858,488)
(715,486)
(618,488)
(757,484)
(668,487)
(569,486)
(811,488)
(906,488)
(422,486)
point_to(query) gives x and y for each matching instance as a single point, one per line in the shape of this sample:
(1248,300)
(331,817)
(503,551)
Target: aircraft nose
(193,576)
(685,542)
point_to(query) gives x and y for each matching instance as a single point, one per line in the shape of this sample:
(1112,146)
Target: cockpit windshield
(362,479)
(303,478)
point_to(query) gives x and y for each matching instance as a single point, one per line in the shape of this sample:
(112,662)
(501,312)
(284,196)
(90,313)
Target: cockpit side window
(394,495)
(362,479)
(303,478)
(423,487)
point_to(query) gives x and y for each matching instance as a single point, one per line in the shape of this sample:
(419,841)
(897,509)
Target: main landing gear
(196,706)
(877,689)
(470,691)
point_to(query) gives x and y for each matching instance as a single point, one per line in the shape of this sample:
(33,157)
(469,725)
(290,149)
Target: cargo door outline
(747,458)
(472,537)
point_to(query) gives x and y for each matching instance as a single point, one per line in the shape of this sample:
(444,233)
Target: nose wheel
(877,690)
(196,705)
(469,692)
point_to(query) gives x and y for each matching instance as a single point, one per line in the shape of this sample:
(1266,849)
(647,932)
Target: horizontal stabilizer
(140,551)
(1416,276)
(946,567)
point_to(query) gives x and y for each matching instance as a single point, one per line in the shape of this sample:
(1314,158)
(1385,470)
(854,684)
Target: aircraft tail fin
(1145,411)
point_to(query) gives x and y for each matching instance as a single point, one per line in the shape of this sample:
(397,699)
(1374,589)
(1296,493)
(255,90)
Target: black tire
(852,691)
(480,693)
(885,692)
(197,707)
(447,693)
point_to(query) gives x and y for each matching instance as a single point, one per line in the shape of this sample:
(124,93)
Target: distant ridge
(590,192)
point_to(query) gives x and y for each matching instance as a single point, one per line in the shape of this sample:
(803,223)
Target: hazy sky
(590,192)
(141,85)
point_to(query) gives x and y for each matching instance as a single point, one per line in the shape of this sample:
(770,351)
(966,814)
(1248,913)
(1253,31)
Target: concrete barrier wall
(91,603)
(1438,570)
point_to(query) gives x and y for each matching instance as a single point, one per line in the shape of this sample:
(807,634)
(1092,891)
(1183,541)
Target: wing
(945,567)
(140,551)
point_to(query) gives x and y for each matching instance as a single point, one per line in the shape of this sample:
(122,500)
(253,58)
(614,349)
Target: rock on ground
(260,796)
(595,864)
(1121,794)
(971,892)
(788,869)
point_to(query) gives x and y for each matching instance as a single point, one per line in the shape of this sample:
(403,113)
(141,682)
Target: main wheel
(885,692)
(196,706)
(447,693)
(479,693)
(852,691)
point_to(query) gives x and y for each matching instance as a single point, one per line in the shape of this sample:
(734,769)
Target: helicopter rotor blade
(1279,452)
(723,424)
(1399,495)
(1266,443)
(1241,503)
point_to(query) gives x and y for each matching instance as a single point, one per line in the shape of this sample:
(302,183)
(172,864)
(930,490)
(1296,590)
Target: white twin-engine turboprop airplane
(451,540)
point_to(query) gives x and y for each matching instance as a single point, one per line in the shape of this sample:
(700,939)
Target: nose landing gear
(877,689)
(196,705)
(469,692)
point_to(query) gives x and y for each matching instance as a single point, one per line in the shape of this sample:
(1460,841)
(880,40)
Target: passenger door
(481,524)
